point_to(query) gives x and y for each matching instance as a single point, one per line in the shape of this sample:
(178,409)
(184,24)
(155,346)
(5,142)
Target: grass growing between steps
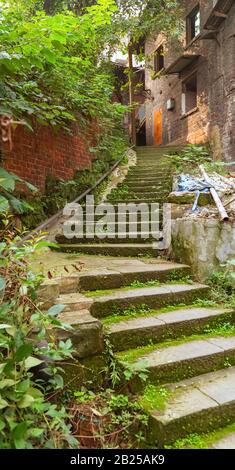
(144,311)
(138,285)
(132,355)
(202,441)
(154,398)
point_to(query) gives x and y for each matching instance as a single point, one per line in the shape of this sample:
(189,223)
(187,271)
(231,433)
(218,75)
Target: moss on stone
(154,398)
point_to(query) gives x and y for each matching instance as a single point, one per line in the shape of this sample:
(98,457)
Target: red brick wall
(47,152)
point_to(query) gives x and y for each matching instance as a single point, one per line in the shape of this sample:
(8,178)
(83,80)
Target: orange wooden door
(157,132)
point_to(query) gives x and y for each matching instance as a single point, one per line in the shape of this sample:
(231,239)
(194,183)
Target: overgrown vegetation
(188,159)
(223,285)
(30,372)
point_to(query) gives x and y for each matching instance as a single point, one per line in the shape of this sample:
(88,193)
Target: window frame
(189,28)
(158,57)
(184,111)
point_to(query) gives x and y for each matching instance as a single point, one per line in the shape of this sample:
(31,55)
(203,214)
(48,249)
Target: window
(189,94)
(159,59)
(193,24)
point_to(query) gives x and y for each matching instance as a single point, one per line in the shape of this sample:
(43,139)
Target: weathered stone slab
(86,335)
(195,406)
(154,297)
(140,331)
(48,292)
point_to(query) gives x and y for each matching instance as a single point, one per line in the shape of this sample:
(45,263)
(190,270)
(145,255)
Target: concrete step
(171,325)
(101,305)
(158,200)
(201,404)
(145,186)
(111,249)
(139,193)
(126,237)
(151,179)
(184,360)
(128,273)
(152,297)
(119,208)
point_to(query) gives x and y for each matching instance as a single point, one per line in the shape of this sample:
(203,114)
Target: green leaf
(32,362)
(26,401)
(4,204)
(20,430)
(7,180)
(3,403)
(6,383)
(23,352)
(4,326)
(55,310)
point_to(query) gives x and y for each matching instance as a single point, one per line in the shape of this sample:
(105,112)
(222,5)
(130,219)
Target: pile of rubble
(209,196)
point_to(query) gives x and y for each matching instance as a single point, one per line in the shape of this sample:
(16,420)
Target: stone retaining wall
(205,244)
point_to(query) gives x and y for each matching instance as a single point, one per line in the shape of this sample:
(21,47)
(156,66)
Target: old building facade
(191,82)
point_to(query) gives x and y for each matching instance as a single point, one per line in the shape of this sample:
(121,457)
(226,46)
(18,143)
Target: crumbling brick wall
(46,152)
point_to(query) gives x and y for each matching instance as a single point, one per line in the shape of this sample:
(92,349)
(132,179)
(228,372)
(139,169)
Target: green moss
(137,285)
(139,312)
(202,441)
(154,398)
(133,355)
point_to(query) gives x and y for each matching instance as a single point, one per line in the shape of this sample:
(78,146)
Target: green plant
(30,370)
(223,284)
(7,187)
(189,158)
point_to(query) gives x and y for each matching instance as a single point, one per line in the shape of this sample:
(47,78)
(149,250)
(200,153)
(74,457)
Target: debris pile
(209,195)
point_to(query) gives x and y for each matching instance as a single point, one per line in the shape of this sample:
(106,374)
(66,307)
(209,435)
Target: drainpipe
(131,96)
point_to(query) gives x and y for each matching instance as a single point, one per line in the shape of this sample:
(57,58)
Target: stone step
(148,198)
(129,273)
(126,237)
(185,360)
(174,324)
(101,305)
(139,193)
(152,297)
(145,186)
(155,171)
(151,179)
(120,208)
(158,200)
(111,249)
(198,405)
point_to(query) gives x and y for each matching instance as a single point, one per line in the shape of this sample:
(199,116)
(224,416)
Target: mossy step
(126,237)
(184,360)
(120,208)
(174,324)
(129,273)
(153,297)
(134,185)
(111,249)
(150,179)
(105,303)
(158,200)
(138,193)
(198,405)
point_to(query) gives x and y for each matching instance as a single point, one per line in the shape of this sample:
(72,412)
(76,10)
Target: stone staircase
(165,332)
(158,322)
(149,182)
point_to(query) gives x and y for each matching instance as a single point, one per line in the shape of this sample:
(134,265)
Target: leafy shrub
(7,187)
(28,370)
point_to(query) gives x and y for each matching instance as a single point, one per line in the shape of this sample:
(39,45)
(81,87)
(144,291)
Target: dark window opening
(189,95)
(193,24)
(159,59)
